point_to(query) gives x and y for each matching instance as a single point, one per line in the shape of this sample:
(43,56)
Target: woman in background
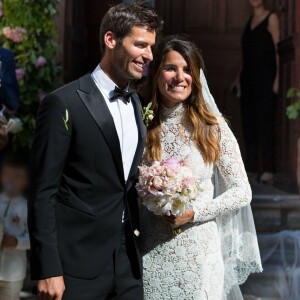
(258,82)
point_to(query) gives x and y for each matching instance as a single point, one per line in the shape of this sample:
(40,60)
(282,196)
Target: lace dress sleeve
(237,189)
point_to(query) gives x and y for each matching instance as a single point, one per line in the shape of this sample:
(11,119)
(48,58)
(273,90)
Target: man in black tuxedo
(83,212)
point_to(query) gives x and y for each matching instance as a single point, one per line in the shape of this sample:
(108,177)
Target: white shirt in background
(13,262)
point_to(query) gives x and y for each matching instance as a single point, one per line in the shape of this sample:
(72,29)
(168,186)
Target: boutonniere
(66,120)
(147,114)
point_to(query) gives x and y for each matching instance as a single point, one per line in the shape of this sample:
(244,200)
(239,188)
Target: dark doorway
(82,50)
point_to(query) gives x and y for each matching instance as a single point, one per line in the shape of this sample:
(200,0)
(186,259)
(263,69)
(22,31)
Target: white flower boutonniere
(66,120)
(147,114)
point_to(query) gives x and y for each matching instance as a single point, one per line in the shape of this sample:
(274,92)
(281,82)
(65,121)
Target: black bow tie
(125,95)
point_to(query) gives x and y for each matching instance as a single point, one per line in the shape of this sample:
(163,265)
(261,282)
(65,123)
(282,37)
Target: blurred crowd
(14,179)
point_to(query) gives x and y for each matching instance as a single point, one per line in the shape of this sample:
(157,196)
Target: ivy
(293,110)
(27,27)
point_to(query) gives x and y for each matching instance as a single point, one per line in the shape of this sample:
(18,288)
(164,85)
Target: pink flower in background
(41,95)
(20,73)
(40,62)
(7,31)
(14,34)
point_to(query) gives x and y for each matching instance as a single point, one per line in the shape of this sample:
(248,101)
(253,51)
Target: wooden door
(82,48)
(216,27)
(288,131)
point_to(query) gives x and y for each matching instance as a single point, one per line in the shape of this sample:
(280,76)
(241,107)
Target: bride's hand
(181,219)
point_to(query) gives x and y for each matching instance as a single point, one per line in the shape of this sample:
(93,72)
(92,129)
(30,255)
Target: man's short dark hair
(122,17)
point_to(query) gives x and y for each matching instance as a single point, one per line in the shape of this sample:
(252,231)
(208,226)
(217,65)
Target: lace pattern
(190,265)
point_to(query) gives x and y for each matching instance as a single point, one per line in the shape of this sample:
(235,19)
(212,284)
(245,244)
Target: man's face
(130,56)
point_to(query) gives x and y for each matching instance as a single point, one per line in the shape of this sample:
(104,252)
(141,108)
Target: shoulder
(273,19)
(64,94)
(6,53)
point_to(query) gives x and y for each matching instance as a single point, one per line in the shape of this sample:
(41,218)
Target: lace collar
(175,112)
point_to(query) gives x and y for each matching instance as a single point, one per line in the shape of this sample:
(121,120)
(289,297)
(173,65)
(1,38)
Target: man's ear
(110,40)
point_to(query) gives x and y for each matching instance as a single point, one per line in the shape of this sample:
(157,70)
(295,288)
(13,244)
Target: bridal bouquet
(168,187)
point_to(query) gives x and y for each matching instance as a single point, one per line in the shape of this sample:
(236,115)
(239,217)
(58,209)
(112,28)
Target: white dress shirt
(123,116)
(13,220)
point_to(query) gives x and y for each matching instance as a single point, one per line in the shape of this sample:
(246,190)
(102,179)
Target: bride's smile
(175,80)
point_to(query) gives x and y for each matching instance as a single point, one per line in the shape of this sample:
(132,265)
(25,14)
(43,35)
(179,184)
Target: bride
(217,247)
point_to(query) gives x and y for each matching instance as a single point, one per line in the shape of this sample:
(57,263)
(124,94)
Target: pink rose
(170,172)
(14,34)
(40,62)
(18,34)
(171,162)
(20,73)
(158,183)
(7,31)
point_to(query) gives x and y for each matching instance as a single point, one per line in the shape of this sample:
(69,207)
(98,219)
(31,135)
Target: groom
(83,214)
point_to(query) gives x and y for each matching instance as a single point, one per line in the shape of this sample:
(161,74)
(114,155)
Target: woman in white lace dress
(189,265)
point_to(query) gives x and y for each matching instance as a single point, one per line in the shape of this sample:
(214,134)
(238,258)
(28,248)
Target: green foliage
(35,20)
(292,110)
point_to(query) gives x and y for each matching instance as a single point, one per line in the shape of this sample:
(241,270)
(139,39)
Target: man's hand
(181,219)
(9,242)
(51,288)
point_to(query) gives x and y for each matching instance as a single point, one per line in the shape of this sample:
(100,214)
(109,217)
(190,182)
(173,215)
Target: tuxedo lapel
(142,134)
(95,104)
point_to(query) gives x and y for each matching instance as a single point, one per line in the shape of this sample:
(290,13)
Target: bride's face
(175,80)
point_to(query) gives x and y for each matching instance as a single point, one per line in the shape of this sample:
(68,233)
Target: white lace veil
(237,230)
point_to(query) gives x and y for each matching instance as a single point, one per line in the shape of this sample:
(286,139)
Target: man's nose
(148,54)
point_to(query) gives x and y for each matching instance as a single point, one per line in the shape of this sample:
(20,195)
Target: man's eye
(140,45)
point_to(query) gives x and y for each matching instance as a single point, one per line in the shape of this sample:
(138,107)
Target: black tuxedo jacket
(78,188)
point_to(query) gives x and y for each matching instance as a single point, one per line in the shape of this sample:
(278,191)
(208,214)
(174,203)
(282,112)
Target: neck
(169,104)
(259,10)
(113,74)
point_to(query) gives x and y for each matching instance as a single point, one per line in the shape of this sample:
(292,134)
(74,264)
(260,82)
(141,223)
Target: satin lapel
(95,104)
(142,135)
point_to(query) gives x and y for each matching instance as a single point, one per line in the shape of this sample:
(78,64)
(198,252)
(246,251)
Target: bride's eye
(187,70)
(169,68)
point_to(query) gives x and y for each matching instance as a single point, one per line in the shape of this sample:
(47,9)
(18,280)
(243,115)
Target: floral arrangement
(168,187)
(27,27)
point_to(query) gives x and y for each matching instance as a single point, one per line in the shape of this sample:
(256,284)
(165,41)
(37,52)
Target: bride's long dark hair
(203,122)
